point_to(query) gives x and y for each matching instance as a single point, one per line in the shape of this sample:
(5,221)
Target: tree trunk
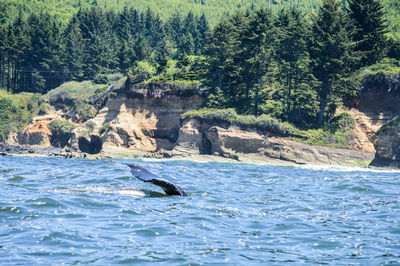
(15,74)
(8,74)
(322,105)
(2,69)
(256,103)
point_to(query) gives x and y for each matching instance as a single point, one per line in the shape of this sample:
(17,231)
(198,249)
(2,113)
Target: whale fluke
(147,176)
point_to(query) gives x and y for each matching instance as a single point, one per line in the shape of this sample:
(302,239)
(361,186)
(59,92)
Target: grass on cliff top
(387,66)
(16,111)
(80,99)
(336,134)
(83,90)
(74,90)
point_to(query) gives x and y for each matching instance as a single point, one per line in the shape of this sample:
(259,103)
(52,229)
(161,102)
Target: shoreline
(29,151)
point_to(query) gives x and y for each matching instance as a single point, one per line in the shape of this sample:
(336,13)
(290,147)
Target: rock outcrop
(145,118)
(388,145)
(232,142)
(36,134)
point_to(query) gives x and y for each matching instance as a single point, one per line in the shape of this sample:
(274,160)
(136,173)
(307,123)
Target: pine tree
(256,52)
(220,51)
(73,51)
(203,29)
(101,44)
(331,52)
(368,16)
(293,64)
(43,54)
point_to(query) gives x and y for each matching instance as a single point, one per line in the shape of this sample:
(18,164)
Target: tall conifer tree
(331,52)
(368,16)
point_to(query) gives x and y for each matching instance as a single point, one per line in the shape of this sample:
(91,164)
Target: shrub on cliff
(394,124)
(342,121)
(61,131)
(77,98)
(384,75)
(230,117)
(337,133)
(16,111)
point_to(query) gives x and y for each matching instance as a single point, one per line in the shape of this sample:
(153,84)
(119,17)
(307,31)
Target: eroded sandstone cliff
(143,118)
(388,145)
(196,137)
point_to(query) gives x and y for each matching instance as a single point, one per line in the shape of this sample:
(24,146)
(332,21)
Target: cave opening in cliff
(205,145)
(93,147)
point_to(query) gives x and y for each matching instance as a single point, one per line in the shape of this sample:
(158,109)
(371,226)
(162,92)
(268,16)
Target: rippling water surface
(55,210)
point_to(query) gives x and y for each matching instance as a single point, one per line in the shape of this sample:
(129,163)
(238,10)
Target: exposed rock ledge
(144,120)
(196,137)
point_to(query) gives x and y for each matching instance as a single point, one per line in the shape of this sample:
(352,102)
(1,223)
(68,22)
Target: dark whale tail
(147,176)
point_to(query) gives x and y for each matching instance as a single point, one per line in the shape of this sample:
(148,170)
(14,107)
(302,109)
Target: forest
(288,59)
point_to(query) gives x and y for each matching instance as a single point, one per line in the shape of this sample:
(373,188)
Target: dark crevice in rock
(93,146)
(205,145)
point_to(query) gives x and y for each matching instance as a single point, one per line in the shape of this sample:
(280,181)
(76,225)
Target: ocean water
(59,211)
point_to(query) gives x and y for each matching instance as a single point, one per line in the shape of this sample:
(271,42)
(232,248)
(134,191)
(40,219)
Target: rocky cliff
(388,145)
(374,111)
(196,137)
(143,118)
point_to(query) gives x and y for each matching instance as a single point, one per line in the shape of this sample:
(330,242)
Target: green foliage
(101,79)
(331,52)
(187,69)
(229,116)
(190,68)
(216,99)
(61,131)
(338,139)
(104,128)
(16,111)
(44,108)
(338,135)
(61,127)
(214,10)
(77,98)
(70,91)
(143,67)
(387,66)
(341,121)
(368,17)
(84,111)
(291,63)
(384,76)
(394,124)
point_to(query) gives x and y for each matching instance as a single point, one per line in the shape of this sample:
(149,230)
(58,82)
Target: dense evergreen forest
(291,63)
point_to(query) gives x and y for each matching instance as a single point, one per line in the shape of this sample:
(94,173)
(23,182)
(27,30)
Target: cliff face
(375,107)
(36,134)
(196,137)
(388,145)
(143,119)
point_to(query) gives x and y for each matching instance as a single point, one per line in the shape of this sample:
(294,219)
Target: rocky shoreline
(27,150)
(145,121)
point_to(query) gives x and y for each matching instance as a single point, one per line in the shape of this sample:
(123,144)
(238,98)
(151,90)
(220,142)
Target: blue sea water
(55,211)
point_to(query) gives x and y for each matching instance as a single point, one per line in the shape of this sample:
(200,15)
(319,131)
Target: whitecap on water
(338,168)
(104,190)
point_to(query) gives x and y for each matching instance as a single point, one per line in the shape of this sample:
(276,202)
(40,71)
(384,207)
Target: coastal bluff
(137,119)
